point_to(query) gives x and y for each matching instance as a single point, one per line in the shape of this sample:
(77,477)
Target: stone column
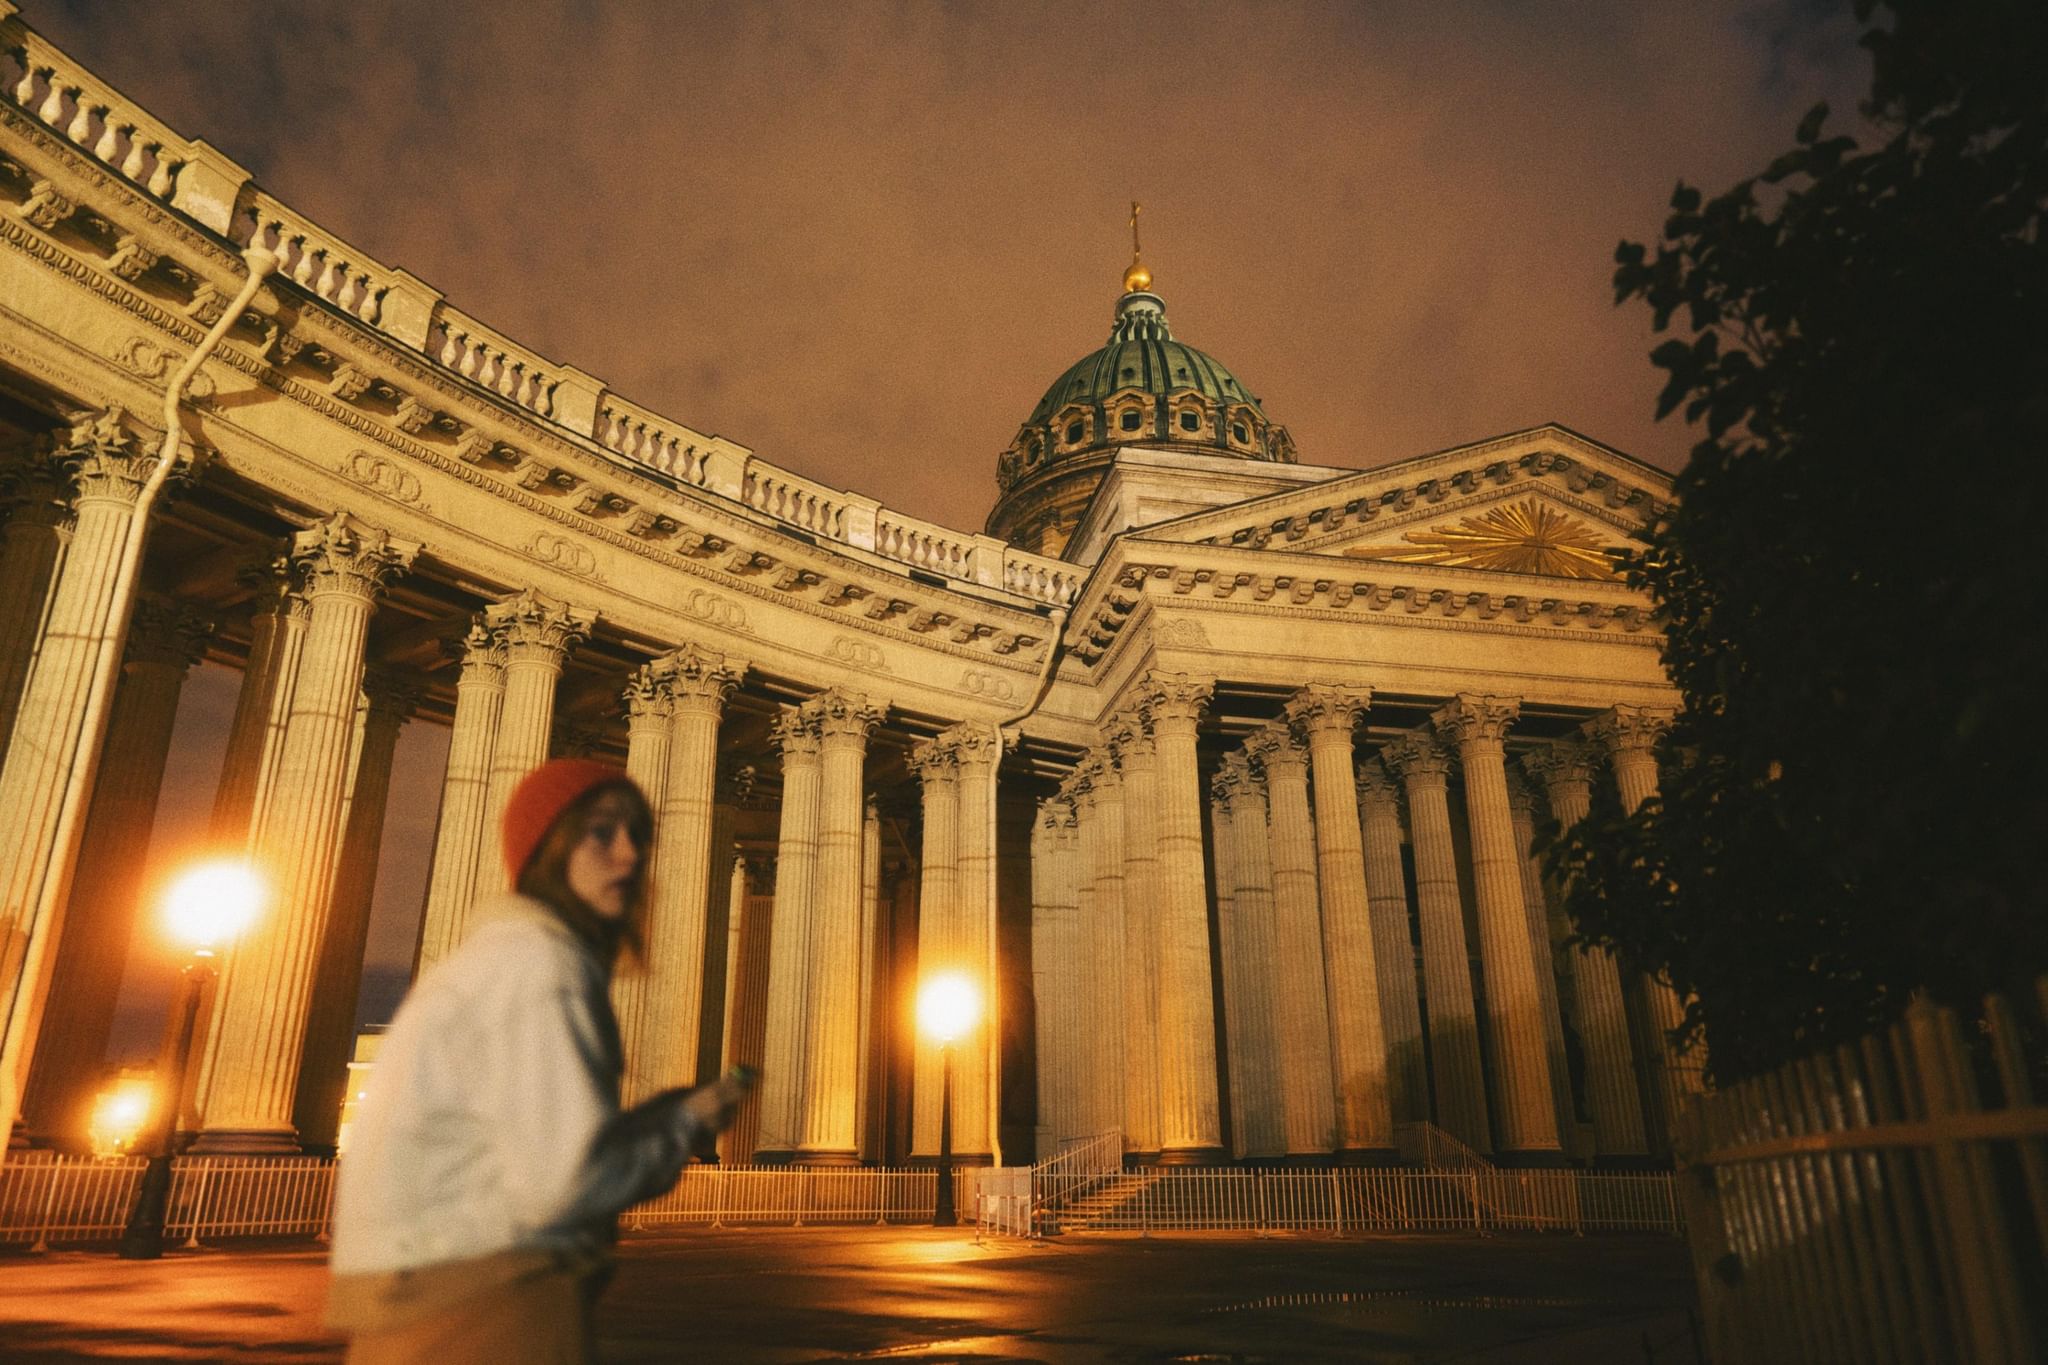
(38,528)
(1131,749)
(1326,716)
(1630,735)
(1046,986)
(106,466)
(789,947)
(1190,1115)
(1105,942)
(1393,944)
(830,1136)
(266,984)
(99,923)
(873,981)
(1600,1011)
(747,1000)
(1522,812)
(1229,951)
(1258,1109)
(678,918)
(277,635)
(1446,966)
(649,712)
(1301,1007)
(462,835)
(1090,972)
(978,749)
(938,946)
(330,1030)
(537,633)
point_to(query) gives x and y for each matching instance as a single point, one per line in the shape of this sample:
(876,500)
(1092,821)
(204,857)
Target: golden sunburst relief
(1523,537)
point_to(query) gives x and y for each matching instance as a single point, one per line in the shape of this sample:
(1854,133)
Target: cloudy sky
(863,238)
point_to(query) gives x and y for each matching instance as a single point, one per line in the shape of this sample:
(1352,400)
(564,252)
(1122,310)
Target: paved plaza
(923,1295)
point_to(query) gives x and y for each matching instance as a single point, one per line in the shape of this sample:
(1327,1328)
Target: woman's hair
(546,875)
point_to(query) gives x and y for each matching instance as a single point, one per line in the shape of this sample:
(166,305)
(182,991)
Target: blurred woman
(489,1159)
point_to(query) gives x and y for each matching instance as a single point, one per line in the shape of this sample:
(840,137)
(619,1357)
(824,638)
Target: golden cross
(1135,210)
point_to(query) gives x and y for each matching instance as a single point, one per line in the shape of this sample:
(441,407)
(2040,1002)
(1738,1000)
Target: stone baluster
(1600,1011)
(462,837)
(1522,811)
(1523,1111)
(1424,770)
(1130,748)
(106,466)
(99,923)
(938,947)
(978,749)
(649,715)
(1300,1003)
(1393,944)
(538,634)
(330,1038)
(789,947)
(250,1076)
(672,1004)
(1326,716)
(832,1048)
(1629,735)
(277,635)
(38,528)
(1258,1108)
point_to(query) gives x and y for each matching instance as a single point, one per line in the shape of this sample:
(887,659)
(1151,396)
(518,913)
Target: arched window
(1075,430)
(1190,420)
(1131,420)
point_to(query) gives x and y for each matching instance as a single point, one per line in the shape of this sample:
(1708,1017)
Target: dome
(1142,355)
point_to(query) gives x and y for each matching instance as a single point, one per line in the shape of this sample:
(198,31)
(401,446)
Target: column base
(1371,1157)
(1630,1161)
(928,1162)
(1141,1158)
(1194,1156)
(1545,1159)
(1298,1160)
(830,1158)
(246,1142)
(774,1156)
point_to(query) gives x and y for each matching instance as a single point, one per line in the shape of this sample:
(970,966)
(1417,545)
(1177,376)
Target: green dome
(1142,355)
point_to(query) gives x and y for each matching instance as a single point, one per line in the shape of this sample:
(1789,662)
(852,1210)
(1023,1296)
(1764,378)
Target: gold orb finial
(1137,279)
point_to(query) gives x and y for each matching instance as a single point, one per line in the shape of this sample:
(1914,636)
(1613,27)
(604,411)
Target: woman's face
(605,864)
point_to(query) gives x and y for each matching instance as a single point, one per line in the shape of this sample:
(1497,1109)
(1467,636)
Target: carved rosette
(102,458)
(536,628)
(1172,703)
(700,680)
(345,556)
(1626,728)
(1417,758)
(1475,723)
(1319,712)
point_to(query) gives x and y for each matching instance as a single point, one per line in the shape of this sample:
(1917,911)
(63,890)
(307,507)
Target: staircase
(1103,1205)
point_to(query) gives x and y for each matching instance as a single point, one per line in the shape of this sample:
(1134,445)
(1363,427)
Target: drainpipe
(110,641)
(995,1040)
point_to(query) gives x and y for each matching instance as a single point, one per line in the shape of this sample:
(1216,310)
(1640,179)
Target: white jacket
(492,1121)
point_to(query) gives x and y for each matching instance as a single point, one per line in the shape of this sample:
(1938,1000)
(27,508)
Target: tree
(1854,573)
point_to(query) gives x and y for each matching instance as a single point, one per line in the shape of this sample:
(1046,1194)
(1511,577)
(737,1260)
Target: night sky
(862,238)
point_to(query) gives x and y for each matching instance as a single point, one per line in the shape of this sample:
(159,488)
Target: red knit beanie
(541,797)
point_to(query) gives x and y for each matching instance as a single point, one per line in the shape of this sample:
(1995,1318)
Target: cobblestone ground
(924,1295)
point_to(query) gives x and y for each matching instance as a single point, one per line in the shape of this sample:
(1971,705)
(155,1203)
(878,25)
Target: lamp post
(947,1007)
(204,908)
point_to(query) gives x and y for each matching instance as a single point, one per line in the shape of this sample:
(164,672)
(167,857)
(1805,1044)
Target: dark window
(1128,372)
(1191,420)
(1130,420)
(1238,432)
(1073,433)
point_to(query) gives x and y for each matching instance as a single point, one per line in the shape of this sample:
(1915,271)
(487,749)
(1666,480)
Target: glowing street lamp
(204,909)
(947,1007)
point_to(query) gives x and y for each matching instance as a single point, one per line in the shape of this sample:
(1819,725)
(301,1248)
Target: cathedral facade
(1216,769)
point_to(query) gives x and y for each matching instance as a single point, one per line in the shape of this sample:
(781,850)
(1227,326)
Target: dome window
(1239,434)
(1130,420)
(1074,433)
(1128,372)
(1190,420)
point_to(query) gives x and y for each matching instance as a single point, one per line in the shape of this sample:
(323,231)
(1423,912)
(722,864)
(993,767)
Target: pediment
(1530,533)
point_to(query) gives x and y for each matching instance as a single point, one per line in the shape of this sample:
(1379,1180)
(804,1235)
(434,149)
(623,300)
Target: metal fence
(1884,1202)
(48,1198)
(720,1196)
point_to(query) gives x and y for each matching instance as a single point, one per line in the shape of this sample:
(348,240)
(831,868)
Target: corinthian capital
(392,695)
(934,759)
(975,743)
(1271,748)
(102,456)
(478,651)
(347,556)
(1556,765)
(795,733)
(1470,718)
(699,678)
(1625,727)
(1324,712)
(646,694)
(1172,703)
(1376,785)
(537,628)
(167,633)
(1416,757)
(843,716)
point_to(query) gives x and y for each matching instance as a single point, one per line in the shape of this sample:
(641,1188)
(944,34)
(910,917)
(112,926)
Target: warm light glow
(948,1006)
(211,903)
(118,1115)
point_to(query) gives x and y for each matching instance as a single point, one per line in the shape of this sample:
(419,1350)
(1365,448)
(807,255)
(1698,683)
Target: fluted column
(746,1012)
(1229,951)
(1630,735)
(1326,716)
(678,913)
(1523,1111)
(978,749)
(1393,943)
(1260,1114)
(1131,750)
(1047,989)
(1446,966)
(1106,941)
(789,948)
(106,466)
(37,530)
(99,922)
(832,1060)
(1091,978)
(1600,1012)
(1301,1008)
(873,982)
(537,633)
(263,703)
(330,1029)
(938,945)
(462,835)
(1522,813)
(259,1022)
(649,711)
(1190,1117)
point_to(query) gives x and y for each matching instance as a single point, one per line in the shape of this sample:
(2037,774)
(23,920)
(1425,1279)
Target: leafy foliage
(1854,574)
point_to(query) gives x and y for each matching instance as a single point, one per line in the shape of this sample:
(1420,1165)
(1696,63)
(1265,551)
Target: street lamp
(205,908)
(946,1008)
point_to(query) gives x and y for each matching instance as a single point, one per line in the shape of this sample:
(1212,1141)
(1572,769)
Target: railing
(1082,1165)
(1887,1201)
(47,1198)
(720,1196)
(1425,1144)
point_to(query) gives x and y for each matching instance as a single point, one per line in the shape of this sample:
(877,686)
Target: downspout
(109,643)
(995,1036)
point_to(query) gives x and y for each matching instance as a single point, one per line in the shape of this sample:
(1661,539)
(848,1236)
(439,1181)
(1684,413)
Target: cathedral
(1213,767)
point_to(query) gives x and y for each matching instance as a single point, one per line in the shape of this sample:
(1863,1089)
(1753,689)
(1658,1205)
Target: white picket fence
(46,1197)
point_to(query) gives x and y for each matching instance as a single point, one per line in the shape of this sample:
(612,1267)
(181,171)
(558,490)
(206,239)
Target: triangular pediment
(1527,532)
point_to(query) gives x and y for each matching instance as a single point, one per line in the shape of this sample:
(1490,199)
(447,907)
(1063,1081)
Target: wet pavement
(911,1294)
